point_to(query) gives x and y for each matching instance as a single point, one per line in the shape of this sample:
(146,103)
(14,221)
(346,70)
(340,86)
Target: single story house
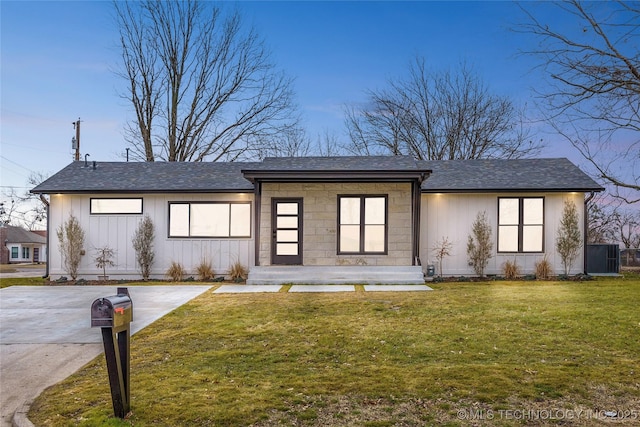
(317,219)
(22,245)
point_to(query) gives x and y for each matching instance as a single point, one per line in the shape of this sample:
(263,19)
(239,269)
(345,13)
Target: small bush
(480,244)
(71,240)
(238,272)
(543,269)
(511,270)
(143,246)
(205,271)
(176,272)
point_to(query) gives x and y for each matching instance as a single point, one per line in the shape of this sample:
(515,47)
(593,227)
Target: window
(25,253)
(362,224)
(14,252)
(116,206)
(209,220)
(520,224)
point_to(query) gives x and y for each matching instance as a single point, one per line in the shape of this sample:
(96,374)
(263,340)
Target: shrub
(568,241)
(205,271)
(104,258)
(176,272)
(143,245)
(71,240)
(511,270)
(480,245)
(441,250)
(543,269)
(238,272)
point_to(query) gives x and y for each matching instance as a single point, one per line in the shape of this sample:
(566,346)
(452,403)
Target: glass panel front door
(286,226)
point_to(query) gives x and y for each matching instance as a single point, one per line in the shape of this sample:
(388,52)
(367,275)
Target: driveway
(45,333)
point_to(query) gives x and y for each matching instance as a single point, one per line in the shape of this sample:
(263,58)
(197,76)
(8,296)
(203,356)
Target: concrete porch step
(351,274)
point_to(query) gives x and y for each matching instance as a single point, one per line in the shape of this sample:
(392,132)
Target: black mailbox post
(114,315)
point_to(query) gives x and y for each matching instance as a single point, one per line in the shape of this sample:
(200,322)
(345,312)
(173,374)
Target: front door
(286,226)
(36,255)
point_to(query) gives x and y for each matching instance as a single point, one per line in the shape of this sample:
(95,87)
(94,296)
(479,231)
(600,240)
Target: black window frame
(91,212)
(362,224)
(15,252)
(230,236)
(521,226)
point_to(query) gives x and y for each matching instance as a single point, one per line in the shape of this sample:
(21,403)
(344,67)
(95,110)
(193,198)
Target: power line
(17,164)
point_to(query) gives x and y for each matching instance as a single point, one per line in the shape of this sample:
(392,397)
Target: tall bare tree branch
(439,115)
(593,93)
(201,85)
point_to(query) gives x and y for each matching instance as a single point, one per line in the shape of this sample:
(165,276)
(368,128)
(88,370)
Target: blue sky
(57,62)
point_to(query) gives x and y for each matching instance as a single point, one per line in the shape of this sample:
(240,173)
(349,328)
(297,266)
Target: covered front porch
(336,275)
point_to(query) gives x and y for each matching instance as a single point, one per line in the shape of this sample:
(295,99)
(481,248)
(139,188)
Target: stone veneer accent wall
(320,221)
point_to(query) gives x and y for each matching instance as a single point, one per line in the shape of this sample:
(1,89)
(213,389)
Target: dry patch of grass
(376,359)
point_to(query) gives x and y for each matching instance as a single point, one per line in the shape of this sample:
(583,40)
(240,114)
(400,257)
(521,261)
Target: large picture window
(209,219)
(116,206)
(521,224)
(362,224)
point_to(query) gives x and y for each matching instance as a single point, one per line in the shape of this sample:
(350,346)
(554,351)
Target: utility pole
(76,140)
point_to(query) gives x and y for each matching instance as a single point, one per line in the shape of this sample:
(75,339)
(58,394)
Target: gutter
(46,203)
(586,230)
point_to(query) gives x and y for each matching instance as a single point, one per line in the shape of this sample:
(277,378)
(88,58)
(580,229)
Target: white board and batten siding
(452,216)
(117,231)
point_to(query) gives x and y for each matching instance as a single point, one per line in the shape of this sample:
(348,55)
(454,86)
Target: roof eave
(334,176)
(512,190)
(146,191)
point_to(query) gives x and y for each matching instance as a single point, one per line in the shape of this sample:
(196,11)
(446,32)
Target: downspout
(46,268)
(417,202)
(586,230)
(258,207)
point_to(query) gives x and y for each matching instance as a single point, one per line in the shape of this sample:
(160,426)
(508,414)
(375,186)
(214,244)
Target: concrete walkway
(237,289)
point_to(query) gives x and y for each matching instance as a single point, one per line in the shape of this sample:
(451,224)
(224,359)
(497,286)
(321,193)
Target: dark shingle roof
(446,176)
(341,163)
(507,175)
(20,235)
(147,177)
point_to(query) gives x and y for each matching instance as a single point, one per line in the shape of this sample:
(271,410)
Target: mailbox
(111,312)
(114,315)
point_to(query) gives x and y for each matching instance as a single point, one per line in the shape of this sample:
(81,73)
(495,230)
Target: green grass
(373,359)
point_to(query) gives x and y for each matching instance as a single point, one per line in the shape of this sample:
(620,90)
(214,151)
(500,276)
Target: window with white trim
(14,252)
(116,206)
(520,224)
(362,224)
(25,253)
(204,219)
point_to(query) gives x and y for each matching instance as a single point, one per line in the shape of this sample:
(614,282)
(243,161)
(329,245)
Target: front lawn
(499,353)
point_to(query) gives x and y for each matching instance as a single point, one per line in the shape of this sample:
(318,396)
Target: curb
(20,417)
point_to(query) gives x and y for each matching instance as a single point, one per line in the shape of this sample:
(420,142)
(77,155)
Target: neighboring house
(317,219)
(22,246)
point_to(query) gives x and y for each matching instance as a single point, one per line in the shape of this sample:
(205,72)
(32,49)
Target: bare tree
(441,250)
(292,143)
(628,232)
(24,208)
(592,96)
(201,85)
(601,226)
(436,116)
